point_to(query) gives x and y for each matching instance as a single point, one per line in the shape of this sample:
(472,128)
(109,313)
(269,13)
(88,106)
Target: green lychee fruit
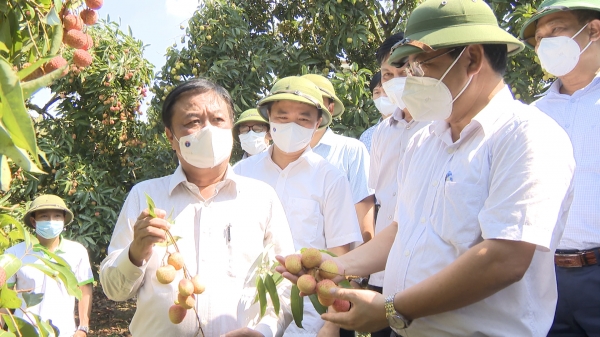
(311,258)
(166,274)
(177,313)
(307,284)
(186,287)
(328,269)
(293,263)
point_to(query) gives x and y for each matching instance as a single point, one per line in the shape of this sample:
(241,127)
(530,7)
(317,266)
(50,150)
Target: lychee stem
(347,277)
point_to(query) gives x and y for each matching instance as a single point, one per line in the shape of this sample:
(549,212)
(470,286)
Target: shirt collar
(484,118)
(179,177)
(327,138)
(308,156)
(59,249)
(555,87)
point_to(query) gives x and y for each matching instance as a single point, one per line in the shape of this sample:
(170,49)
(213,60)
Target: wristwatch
(84,328)
(395,319)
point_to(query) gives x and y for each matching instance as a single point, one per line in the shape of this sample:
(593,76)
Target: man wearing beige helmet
(484,192)
(252,131)
(349,155)
(565,35)
(48,215)
(315,195)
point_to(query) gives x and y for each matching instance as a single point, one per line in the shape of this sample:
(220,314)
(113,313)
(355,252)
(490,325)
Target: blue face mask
(49,229)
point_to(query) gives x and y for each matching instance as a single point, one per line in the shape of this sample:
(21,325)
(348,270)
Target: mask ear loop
(452,65)
(581,30)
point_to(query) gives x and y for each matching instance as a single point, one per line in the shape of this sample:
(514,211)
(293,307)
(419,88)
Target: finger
(291,277)
(343,319)
(160,213)
(281,260)
(145,213)
(152,222)
(344,294)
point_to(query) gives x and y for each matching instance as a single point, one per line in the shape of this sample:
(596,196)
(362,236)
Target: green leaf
(32,299)
(262,295)
(318,306)
(52,19)
(150,205)
(5,174)
(44,328)
(9,298)
(7,219)
(345,284)
(58,5)
(29,70)
(7,334)
(30,87)
(66,276)
(254,267)
(297,306)
(57,37)
(10,263)
(15,118)
(25,328)
(18,155)
(46,270)
(272,289)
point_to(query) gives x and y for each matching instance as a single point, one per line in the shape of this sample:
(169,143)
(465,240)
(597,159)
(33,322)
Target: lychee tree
(244,45)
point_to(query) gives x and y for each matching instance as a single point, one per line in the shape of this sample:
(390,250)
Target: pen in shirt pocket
(227,233)
(449,176)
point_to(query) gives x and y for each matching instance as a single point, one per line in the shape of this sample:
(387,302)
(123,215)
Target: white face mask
(207,147)
(385,106)
(394,89)
(253,142)
(429,99)
(49,229)
(560,54)
(291,137)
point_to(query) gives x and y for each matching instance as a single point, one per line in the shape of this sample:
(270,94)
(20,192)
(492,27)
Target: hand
(146,232)
(329,329)
(80,333)
(366,314)
(243,332)
(294,278)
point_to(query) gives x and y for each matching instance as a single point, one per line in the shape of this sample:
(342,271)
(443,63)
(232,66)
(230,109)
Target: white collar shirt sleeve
(248,210)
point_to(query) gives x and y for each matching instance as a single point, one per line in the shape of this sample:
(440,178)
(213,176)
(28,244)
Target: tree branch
(374,30)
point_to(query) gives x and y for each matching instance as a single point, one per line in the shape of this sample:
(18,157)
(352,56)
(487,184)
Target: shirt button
(394,194)
(406,253)
(390,217)
(204,321)
(567,126)
(450,150)
(423,220)
(573,100)
(434,183)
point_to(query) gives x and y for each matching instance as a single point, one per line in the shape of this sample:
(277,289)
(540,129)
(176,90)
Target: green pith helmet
(48,201)
(294,88)
(250,115)
(325,85)
(527,33)
(439,24)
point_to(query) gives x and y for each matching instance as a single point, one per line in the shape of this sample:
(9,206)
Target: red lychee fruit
(89,16)
(177,313)
(2,277)
(89,42)
(325,301)
(94,4)
(75,38)
(82,58)
(341,305)
(56,63)
(71,21)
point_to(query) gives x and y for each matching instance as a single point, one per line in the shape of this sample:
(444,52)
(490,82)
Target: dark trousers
(578,308)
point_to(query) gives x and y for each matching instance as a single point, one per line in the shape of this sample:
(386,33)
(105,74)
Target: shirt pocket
(460,207)
(305,219)
(244,244)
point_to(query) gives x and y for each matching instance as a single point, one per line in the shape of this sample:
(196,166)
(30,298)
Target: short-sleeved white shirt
(387,149)
(317,202)
(579,116)
(351,157)
(57,304)
(507,177)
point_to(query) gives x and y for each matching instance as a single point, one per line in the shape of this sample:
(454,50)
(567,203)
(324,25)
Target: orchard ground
(110,318)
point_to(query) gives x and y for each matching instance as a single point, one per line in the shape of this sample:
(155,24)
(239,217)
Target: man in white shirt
(484,192)
(252,131)
(315,195)
(223,222)
(349,155)
(565,36)
(388,146)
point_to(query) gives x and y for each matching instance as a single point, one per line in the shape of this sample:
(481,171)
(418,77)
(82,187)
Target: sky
(155,22)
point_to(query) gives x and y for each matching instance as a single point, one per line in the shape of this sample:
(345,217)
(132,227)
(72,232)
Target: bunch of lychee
(316,278)
(188,287)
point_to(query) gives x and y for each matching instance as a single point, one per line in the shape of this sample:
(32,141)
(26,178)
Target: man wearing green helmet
(315,195)
(483,192)
(48,215)
(564,34)
(252,131)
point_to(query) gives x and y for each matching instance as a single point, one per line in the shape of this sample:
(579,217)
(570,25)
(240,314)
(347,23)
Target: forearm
(85,304)
(365,211)
(482,271)
(120,278)
(341,250)
(370,257)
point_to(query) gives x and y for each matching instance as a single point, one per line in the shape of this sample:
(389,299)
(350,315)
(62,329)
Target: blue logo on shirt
(187,144)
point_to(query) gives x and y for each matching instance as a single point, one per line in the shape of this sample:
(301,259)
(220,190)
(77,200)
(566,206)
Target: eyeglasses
(414,67)
(258,128)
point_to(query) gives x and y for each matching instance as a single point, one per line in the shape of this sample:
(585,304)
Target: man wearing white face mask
(315,195)
(48,214)
(223,222)
(253,132)
(484,192)
(565,36)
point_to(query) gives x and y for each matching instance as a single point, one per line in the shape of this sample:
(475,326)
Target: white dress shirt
(220,238)
(387,149)
(57,305)
(507,177)
(579,115)
(316,199)
(367,136)
(351,157)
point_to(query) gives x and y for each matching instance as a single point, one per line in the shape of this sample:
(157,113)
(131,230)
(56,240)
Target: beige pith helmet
(48,201)
(325,85)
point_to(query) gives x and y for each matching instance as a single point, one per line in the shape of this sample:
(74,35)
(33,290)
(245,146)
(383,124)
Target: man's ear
(170,137)
(330,107)
(319,123)
(32,221)
(476,57)
(594,30)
